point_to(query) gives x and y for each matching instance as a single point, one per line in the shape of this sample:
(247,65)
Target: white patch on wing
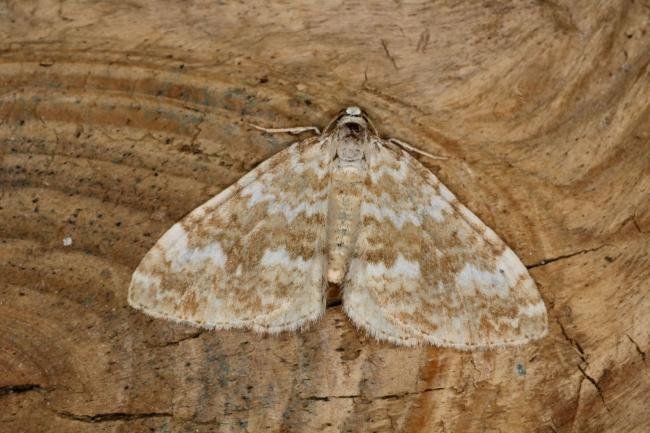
(280,270)
(145,280)
(398,218)
(300,166)
(291,212)
(280,258)
(399,174)
(532,310)
(180,254)
(257,192)
(491,283)
(402,268)
(436,207)
(284,202)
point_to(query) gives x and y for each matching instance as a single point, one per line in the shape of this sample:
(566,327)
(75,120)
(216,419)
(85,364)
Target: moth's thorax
(350,137)
(348,172)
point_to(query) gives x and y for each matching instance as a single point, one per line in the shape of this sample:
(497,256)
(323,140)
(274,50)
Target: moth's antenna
(372,125)
(295,131)
(332,122)
(407,146)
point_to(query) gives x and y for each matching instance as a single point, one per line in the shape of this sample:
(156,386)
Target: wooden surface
(117,118)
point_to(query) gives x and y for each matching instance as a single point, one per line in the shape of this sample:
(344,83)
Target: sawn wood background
(118,118)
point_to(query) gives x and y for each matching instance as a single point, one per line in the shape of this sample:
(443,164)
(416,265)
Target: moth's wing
(250,257)
(428,271)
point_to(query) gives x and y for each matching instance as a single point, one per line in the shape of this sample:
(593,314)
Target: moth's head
(351,131)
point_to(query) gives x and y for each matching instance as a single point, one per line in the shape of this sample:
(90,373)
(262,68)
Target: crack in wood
(385,45)
(329,397)
(544,262)
(111,416)
(19,389)
(594,382)
(574,343)
(191,336)
(380,397)
(637,347)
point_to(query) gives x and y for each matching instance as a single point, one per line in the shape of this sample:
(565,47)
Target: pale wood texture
(117,118)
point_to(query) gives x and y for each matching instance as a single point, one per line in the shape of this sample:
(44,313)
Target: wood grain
(117,118)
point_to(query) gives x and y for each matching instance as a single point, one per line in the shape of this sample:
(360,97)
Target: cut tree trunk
(117,118)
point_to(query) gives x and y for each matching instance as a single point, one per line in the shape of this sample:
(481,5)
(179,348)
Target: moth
(351,209)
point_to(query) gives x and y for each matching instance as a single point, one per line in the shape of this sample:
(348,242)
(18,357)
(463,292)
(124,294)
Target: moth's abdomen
(343,218)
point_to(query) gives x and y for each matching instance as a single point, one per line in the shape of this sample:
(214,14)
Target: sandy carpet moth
(348,208)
